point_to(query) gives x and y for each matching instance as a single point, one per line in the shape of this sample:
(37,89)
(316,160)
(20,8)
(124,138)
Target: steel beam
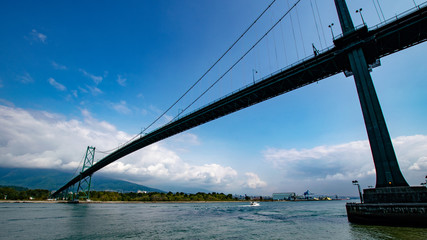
(387,169)
(376,43)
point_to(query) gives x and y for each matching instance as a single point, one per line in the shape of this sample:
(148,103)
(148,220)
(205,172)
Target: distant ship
(255,204)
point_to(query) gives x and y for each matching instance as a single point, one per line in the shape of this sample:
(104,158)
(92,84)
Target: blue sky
(80,73)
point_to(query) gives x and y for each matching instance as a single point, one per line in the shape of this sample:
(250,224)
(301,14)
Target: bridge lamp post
(361,16)
(332,32)
(253,74)
(355,182)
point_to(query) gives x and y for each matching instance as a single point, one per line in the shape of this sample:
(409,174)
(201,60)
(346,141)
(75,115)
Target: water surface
(224,220)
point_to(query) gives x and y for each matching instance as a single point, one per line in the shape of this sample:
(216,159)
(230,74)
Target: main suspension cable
(244,55)
(219,59)
(179,99)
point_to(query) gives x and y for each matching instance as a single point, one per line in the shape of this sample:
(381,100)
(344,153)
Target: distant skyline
(78,74)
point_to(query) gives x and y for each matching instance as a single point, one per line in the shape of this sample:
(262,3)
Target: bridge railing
(355,29)
(405,13)
(385,22)
(256,81)
(400,15)
(327,52)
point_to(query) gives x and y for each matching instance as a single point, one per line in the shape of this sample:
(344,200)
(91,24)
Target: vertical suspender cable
(268,55)
(321,24)
(293,33)
(240,59)
(379,6)
(284,45)
(211,66)
(376,10)
(257,62)
(274,39)
(300,32)
(315,22)
(231,84)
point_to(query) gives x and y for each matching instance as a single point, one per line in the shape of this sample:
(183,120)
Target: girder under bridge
(387,38)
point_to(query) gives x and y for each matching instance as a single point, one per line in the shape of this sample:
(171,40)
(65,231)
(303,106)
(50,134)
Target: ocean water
(224,220)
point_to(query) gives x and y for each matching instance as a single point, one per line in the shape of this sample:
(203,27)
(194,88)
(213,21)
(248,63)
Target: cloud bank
(253,181)
(35,139)
(337,164)
(39,139)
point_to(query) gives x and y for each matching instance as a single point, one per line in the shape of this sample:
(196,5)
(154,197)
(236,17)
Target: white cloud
(44,140)
(58,66)
(253,181)
(419,165)
(83,90)
(94,90)
(412,152)
(165,119)
(183,141)
(121,107)
(160,163)
(96,79)
(56,84)
(37,36)
(6,103)
(121,80)
(26,78)
(348,161)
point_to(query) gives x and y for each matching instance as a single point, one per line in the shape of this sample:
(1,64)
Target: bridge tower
(387,169)
(83,189)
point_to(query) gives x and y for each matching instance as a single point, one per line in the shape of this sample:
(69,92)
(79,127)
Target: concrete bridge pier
(392,201)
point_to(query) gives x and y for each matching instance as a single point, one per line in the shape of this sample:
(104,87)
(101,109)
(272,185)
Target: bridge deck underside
(382,41)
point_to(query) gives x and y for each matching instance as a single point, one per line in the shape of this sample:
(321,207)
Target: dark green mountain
(53,179)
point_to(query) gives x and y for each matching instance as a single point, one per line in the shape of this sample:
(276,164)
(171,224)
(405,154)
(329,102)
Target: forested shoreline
(20,193)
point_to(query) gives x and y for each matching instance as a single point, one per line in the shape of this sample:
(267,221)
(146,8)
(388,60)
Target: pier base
(394,214)
(397,206)
(416,194)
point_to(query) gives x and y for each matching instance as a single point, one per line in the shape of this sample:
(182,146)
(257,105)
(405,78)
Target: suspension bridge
(355,52)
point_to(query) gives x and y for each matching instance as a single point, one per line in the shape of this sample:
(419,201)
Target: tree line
(20,193)
(158,197)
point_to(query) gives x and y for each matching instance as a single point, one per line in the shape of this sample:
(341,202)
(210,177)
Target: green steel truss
(83,189)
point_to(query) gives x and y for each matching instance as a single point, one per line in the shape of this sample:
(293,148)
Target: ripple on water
(190,221)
